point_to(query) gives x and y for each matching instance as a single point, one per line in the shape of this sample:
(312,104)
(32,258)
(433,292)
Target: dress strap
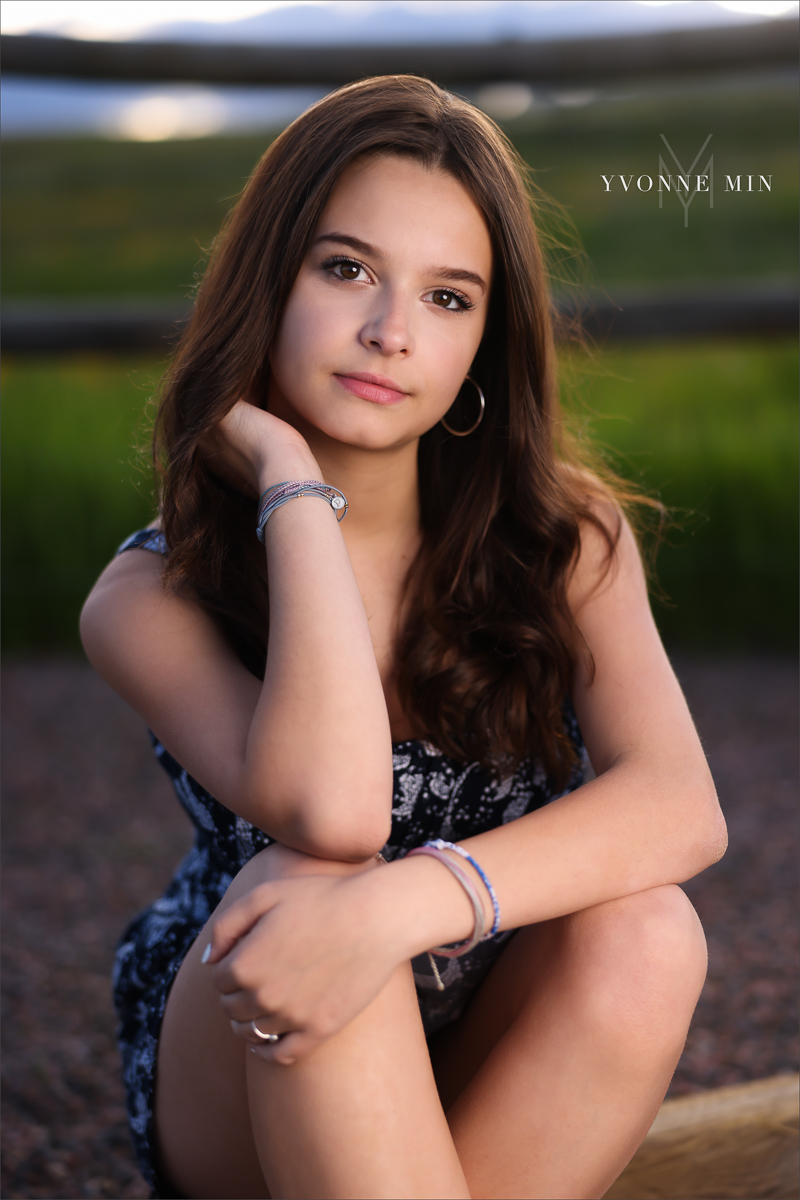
(145,539)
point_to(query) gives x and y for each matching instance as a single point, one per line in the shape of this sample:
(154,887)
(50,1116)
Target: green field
(72,486)
(627,238)
(710,427)
(90,217)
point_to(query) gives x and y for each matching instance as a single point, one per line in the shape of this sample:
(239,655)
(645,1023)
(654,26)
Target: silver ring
(265,1037)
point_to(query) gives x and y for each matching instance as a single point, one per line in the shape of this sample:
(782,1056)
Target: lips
(376,388)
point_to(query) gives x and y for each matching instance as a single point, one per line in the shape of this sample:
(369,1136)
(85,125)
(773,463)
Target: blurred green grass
(85,217)
(711,429)
(627,238)
(709,426)
(72,485)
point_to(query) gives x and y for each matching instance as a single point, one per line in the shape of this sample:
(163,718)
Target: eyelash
(465,304)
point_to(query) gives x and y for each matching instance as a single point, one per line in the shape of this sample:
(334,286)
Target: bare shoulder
(128,602)
(145,639)
(608,560)
(169,660)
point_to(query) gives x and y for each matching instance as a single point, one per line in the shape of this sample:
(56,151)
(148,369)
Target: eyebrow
(458,275)
(450,274)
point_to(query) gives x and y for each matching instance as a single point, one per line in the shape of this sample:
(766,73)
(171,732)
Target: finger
(243,1005)
(235,414)
(237,921)
(290,1049)
(260,1031)
(240,978)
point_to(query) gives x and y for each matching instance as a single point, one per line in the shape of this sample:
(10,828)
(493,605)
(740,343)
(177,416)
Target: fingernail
(206,954)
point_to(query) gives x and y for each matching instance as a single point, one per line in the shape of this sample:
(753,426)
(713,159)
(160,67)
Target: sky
(122,19)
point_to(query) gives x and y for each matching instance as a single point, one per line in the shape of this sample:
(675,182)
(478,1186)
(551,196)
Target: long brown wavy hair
(487,652)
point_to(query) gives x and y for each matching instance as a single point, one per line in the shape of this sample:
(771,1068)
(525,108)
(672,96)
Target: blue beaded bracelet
(441,844)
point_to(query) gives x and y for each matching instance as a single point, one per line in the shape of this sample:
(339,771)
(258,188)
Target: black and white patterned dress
(434,797)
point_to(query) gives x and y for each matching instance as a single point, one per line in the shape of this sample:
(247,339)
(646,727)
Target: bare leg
(559,1066)
(556,1070)
(360,1117)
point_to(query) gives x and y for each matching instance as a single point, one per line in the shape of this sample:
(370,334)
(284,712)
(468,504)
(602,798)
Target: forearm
(629,830)
(319,749)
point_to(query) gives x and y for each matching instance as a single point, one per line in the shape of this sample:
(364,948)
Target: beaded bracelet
(281,493)
(477,930)
(441,844)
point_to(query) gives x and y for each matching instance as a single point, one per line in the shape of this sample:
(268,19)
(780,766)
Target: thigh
(460,1048)
(204,1134)
(339,1122)
(642,956)
(557,1069)
(202,1106)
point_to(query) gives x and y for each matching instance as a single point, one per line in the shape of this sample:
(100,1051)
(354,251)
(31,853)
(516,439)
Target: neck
(381,487)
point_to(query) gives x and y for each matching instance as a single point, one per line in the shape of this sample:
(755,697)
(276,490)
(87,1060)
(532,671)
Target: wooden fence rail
(554,62)
(114,324)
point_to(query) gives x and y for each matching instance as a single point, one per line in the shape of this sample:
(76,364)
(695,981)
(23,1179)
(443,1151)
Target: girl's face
(388,310)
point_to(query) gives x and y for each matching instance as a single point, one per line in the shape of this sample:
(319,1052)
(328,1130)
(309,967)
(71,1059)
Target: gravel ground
(92,833)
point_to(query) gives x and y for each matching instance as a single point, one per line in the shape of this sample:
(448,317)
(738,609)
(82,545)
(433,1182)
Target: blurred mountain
(364,21)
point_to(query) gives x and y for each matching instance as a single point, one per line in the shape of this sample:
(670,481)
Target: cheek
(293,336)
(448,359)
(309,332)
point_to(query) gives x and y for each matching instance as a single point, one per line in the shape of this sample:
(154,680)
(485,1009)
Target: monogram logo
(681,183)
(704,179)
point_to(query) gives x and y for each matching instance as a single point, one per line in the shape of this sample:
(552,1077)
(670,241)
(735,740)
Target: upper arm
(165,656)
(631,707)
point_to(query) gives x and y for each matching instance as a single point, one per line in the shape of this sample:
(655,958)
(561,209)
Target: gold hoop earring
(472,428)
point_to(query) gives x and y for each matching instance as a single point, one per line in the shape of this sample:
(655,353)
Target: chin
(368,434)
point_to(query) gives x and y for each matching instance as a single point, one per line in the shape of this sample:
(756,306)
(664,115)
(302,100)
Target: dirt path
(92,832)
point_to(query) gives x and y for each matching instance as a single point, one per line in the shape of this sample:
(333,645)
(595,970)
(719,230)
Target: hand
(249,446)
(302,956)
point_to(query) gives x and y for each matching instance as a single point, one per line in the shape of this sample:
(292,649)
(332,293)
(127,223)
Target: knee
(646,961)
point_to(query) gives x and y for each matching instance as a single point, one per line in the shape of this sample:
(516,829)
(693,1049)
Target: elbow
(710,833)
(717,840)
(86,627)
(342,840)
(351,828)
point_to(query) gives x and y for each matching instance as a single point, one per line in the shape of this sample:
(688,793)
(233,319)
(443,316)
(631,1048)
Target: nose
(388,328)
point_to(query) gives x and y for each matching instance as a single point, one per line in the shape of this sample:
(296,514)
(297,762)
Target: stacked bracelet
(441,844)
(477,930)
(281,493)
(477,934)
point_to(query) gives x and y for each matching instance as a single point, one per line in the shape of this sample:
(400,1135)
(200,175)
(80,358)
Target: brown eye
(443,299)
(349,270)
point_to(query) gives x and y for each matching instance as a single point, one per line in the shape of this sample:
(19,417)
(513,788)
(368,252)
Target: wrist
(288,463)
(418,904)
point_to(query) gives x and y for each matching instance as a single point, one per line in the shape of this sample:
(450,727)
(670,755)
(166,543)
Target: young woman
(374,325)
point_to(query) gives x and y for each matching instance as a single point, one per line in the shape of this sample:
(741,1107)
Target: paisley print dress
(434,797)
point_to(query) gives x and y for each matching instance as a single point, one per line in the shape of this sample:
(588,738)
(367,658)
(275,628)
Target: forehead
(407,209)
